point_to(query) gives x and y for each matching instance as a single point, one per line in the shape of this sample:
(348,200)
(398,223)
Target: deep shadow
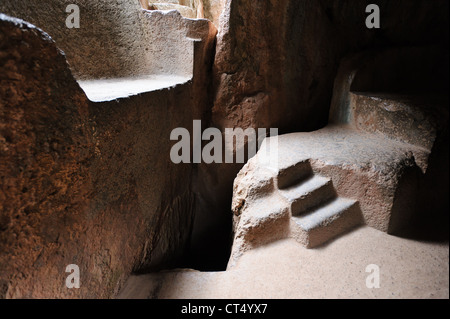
(212,237)
(430,221)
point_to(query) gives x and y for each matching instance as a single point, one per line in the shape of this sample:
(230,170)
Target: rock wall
(115,39)
(213,10)
(276,63)
(209,9)
(86,183)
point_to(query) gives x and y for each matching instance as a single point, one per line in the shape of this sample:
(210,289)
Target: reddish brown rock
(87,183)
(45,159)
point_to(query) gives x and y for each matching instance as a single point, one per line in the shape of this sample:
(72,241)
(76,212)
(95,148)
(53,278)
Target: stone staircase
(289,202)
(317,213)
(326,182)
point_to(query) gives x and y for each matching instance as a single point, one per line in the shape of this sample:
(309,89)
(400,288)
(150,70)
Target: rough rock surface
(376,151)
(185,11)
(213,10)
(116,39)
(45,152)
(275,66)
(379,166)
(87,183)
(276,62)
(381,174)
(209,9)
(412,120)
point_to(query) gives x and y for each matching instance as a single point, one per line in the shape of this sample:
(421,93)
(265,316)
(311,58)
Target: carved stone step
(265,221)
(164,1)
(146,4)
(185,11)
(309,194)
(293,174)
(326,222)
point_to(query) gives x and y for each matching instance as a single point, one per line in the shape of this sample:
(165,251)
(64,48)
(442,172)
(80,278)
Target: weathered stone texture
(276,63)
(276,60)
(92,183)
(116,38)
(46,150)
(87,183)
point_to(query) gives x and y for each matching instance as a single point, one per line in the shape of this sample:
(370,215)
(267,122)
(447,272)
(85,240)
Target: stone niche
(277,64)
